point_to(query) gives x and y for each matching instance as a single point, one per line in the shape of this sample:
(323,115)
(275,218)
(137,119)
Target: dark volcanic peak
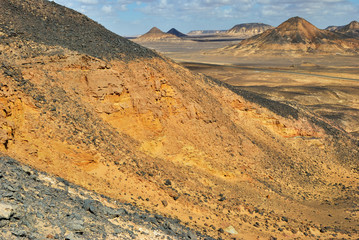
(176,32)
(47,22)
(156,34)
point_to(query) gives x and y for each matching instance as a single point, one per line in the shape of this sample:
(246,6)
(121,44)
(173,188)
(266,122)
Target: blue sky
(129,18)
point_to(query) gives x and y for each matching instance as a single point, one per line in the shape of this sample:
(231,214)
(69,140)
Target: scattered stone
(164,203)
(76,226)
(168,182)
(191,236)
(222,199)
(19,233)
(231,230)
(89,206)
(76,215)
(6,211)
(70,236)
(285,219)
(221,230)
(3,223)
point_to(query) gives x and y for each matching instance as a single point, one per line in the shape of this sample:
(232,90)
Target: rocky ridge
(57,30)
(351,29)
(205,32)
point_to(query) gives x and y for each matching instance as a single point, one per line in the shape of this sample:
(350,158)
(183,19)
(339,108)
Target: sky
(131,18)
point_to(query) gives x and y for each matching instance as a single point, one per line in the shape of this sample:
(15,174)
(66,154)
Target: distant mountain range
(244,30)
(206,32)
(156,34)
(296,36)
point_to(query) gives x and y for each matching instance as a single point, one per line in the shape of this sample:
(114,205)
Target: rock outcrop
(122,121)
(247,30)
(296,36)
(352,29)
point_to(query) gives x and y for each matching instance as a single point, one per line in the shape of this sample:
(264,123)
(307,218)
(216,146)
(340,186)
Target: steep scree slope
(49,23)
(143,130)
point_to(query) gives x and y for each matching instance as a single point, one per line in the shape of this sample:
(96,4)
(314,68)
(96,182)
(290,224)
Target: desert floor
(325,84)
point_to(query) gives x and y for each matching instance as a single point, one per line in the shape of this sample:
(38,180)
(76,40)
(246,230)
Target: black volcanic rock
(156,34)
(66,214)
(176,32)
(47,22)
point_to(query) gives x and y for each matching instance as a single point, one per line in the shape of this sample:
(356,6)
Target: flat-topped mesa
(247,30)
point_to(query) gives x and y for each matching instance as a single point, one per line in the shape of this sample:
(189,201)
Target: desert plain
(328,85)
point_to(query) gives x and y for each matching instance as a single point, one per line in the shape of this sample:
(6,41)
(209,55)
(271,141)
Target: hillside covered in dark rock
(35,205)
(137,128)
(47,22)
(177,33)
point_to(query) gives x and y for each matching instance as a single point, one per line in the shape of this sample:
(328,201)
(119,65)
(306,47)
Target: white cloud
(107,8)
(88,1)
